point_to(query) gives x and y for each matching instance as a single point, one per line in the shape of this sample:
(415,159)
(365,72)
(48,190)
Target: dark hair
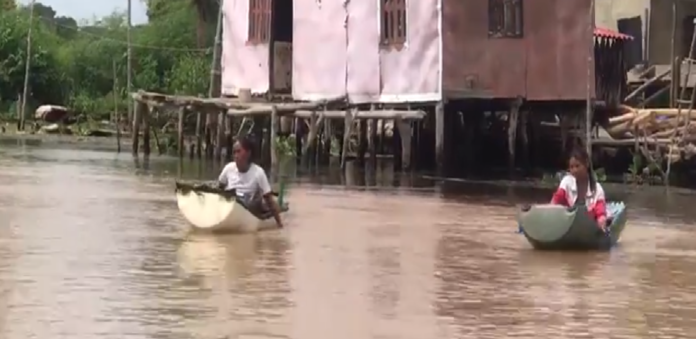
(581,155)
(248,145)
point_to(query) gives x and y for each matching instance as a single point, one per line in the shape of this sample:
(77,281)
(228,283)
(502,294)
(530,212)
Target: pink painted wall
(336,50)
(319,49)
(415,70)
(243,66)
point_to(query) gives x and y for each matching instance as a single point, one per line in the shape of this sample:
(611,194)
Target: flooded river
(92,246)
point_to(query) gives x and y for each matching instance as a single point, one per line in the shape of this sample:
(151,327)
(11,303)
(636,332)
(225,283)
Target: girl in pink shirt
(581,187)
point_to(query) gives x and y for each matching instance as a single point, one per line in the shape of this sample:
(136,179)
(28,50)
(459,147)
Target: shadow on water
(92,246)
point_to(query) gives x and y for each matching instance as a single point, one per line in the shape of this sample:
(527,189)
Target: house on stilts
(462,61)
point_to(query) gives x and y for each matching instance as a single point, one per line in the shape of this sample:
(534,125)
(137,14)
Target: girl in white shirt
(581,187)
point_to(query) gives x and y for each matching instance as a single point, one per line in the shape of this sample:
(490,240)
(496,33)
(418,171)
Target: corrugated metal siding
(600,32)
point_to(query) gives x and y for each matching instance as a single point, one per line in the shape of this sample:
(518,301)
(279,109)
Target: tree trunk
(200,33)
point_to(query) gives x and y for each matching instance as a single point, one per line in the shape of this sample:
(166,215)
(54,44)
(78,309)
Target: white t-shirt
(570,187)
(249,183)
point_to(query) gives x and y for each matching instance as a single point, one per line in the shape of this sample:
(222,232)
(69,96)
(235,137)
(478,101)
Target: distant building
(650,23)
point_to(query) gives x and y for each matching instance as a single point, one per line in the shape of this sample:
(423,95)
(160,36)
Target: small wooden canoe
(211,209)
(553,227)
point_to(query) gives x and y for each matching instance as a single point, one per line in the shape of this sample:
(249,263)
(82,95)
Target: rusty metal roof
(610,34)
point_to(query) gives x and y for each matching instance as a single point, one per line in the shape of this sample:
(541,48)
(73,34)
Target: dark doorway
(687,33)
(633,49)
(282,20)
(281,45)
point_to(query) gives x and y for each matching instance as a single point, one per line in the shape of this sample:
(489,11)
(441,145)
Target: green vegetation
(84,67)
(285,147)
(641,173)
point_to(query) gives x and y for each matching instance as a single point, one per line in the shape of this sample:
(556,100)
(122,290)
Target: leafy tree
(207,15)
(84,65)
(45,76)
(7,5)
(66,27)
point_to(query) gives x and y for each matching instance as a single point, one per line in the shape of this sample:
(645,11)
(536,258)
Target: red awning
(610,34)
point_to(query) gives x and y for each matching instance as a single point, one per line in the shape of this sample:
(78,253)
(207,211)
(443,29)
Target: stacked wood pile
(668,131)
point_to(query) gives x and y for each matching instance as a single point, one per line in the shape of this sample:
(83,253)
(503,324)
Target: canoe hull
(549,227)
(212,212)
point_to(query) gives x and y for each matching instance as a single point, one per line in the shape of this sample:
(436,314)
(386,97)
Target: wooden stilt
(339,139)
(524,131)
(158,144)
(405,134)
(347,130)
(229,138)
(469,129)
(316,148)
(362,142)
(273,137)
(397,150)
(299,134)
(382,135)
(180,132)
(513,118)
(146,131)
(315,122)
(266,140)
(257,132)
(372,141)
(439,136)
(327,138)
(137,118)
(285,125)
(207,134)
(199,134)
(586,123)
(219,135)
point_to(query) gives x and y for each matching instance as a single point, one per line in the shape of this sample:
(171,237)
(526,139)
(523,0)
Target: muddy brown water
(92,246)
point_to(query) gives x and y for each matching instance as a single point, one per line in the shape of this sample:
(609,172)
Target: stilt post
(137,118)
(273,137)
(439,136)
(513,118)
(180,132)
(146,130)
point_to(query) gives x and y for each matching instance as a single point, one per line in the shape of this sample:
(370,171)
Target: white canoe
(213,212)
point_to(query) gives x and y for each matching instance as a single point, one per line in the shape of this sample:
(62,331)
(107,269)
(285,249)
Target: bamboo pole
(638,91)
(215,73)
(18,109)
(675,76)
(27,67)
(590,63)
(129,71)
(117,115)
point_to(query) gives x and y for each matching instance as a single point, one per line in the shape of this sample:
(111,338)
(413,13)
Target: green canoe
(553,227)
